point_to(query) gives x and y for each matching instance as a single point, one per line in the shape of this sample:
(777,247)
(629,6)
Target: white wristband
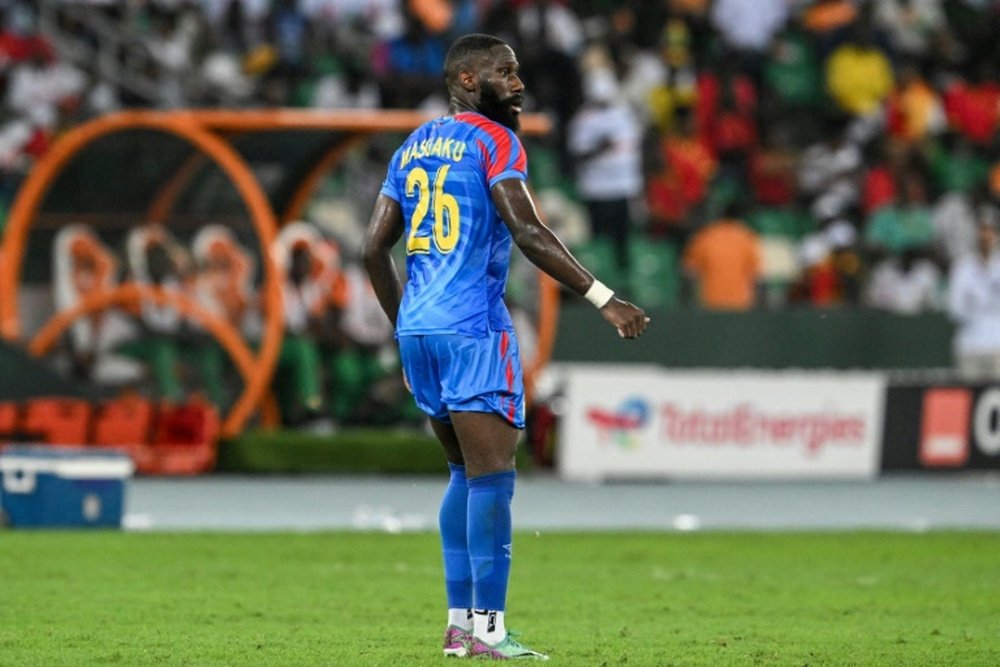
(599,294)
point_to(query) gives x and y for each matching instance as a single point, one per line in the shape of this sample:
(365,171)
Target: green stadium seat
(787,223)
(722,191)
(654,278)
(598,256)
(304,92)
(546,172)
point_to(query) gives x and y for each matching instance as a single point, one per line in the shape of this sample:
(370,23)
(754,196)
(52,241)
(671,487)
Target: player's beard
(502,111)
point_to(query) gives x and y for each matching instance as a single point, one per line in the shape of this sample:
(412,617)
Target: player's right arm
(540,245)
(384,230)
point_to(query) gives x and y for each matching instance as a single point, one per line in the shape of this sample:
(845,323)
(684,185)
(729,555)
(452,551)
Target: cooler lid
(69,463)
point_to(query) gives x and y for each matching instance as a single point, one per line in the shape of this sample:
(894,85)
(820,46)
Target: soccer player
(456,190)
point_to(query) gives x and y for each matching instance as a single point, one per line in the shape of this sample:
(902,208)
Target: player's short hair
(464,50)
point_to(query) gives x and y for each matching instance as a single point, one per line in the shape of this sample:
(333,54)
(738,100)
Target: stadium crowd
(854,140)
(727,153)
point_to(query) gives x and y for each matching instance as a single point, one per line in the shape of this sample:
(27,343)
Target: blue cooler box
(60,487)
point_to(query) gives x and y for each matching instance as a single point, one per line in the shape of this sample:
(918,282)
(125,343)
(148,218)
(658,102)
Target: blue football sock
(490,538)
(454,536)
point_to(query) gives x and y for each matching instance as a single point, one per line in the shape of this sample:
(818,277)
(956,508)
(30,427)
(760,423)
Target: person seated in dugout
(84,267)
(223,285)
(309,266)
(157,259)
(360,358)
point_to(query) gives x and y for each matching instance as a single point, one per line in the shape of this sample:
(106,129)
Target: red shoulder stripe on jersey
(485,150)
(502,140)
(521,162)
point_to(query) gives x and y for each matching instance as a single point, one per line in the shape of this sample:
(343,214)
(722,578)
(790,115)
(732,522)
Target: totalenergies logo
(621,425)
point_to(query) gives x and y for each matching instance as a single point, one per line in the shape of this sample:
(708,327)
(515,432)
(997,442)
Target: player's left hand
(627,318)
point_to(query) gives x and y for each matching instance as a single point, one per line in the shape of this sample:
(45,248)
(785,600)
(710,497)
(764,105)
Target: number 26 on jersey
(445,226)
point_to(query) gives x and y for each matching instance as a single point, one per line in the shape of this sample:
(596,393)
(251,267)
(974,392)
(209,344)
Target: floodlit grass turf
(589,599)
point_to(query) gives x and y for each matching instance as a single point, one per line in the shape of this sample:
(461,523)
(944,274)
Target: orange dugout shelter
(153,166)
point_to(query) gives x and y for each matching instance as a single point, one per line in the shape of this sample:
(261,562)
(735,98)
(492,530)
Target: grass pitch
(588,599)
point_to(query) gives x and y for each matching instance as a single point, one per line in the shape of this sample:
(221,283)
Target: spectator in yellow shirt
(858,74)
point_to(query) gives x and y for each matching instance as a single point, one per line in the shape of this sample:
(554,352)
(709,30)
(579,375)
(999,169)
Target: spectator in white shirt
(749,26)
(558,26)
(829,171)
(39,86)
(912,24)
(974,304)
(604,137)
(906,285)
(954,217)
(171,47)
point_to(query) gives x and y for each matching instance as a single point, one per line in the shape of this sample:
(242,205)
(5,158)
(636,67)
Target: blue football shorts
(455,373)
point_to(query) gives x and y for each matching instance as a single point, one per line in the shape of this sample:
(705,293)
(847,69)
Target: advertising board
(942,427)
(646,422)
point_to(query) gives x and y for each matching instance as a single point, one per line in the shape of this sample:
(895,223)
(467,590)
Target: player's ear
(467,79)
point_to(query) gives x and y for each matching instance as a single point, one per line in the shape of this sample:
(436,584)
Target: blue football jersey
(457,247)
